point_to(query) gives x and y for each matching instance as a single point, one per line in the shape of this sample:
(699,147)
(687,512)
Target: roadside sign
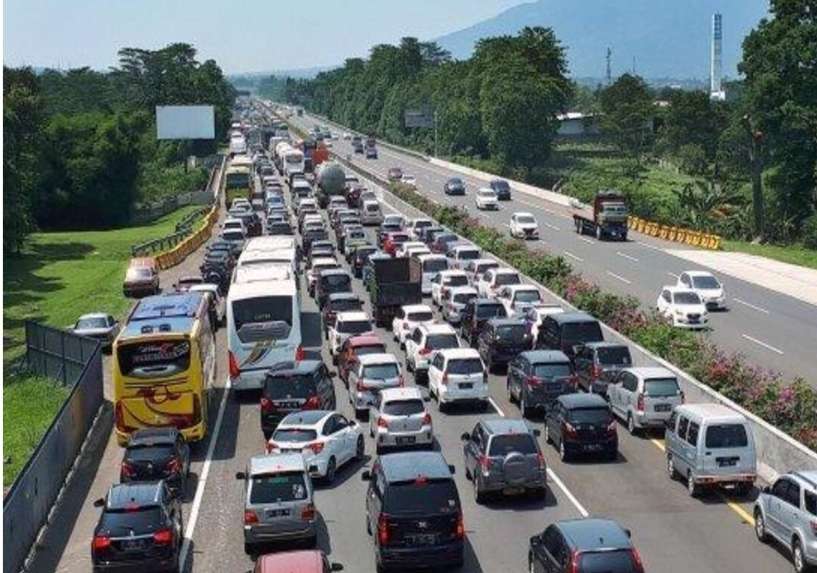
(419,118)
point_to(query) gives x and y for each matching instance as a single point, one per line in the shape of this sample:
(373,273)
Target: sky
(242,36)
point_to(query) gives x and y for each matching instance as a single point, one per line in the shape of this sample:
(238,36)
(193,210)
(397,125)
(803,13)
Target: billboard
(185,122)
(419,118)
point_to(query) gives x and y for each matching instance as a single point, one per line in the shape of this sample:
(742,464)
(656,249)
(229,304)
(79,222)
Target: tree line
(81,144)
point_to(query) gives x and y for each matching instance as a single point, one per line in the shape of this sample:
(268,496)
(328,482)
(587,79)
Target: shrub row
(790,407)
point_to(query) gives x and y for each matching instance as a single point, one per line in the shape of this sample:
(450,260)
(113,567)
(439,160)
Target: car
(475,268)
(279,501)
(140,526)
(353,348)
(97,325)
(409,180)
(537,377)
(154,454)
(326,439)
(359,257)
(317,265)
(398,418)
(500,339)
(347,323)
(453,302)
(567,331)
(184,283)
(391,224)
(292,387)
(454,186)
(235,238)
(299,561)
(458,375)
(501,455)
(235,223)
(335,303)
(684,307)
(535,314)
(413,511)
(331,281)
(423,341)
(402,250)
(502,189)
(644,397)
(587,545)
(709,288)
(370,212)
(395,174)
(415,226)
(581,424)
(476,313)
(524,226)
(393,240)
(517,298)
(459,255)
(486,198)
(493,279)
(597,362)
(445,280)
(141,278)
(215,303)
(347,136)
(442,242)
(785,513)
(371,374)
(407,317)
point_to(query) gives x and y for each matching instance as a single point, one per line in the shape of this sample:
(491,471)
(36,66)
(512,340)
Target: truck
(393,282)
(608,219)
(331,180)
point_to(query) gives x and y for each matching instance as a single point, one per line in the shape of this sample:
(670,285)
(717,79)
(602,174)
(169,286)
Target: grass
(792,254)
(29,406)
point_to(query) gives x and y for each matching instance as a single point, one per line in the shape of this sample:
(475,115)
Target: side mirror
(313,469)
(766,489)
(537,433)
(426,398)
(366,475)
(577,348)
(628,532)
(99,502)
(535,541)
(336,567)
(354,423)
(240,475)
(452,469)
(465,436)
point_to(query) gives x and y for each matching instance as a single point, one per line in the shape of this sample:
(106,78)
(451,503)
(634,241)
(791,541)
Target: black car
(154,454)
(566,331)
(413,511)
(501,339)
(252,222)
(586,545)
(359,257)
(140,528)
(454,186)
(581,424)
(502,189)
(312,235)
(597,362)
(476,313)
(292,387)
(537,377)
(335,303)
(331,281)
(430,235)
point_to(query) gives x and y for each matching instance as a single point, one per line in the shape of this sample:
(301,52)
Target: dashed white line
(574,257)
(554,227)
(763,344)
(643,244)
(586,240)
(626,256)
(620,278)
(750,305)
(496,407)
(673,275)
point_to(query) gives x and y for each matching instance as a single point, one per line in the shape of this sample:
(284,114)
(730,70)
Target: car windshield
(456,280)
(381,371)
(138,273)
(464,366)
(511,333)
(507,279)
(289,486)
(527,296)
(686,298)
(491,310)
(95,322)
(441,341)
(337,282)
(297,435)
(661,387)
(594,415)
(290,387)
(422,497)
(614,356)
(434,265)
(464,297)
(620,561)
(726,436)
(354,326)
(503,445)
(582,332)
(420,316)
(262,318)
(706,282)
(557,370)
(404,407)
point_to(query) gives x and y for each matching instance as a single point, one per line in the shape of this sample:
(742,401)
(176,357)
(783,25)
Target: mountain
(667,38)
(297,73)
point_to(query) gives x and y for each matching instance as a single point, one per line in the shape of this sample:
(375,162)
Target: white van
(263,329)
(431,265)
(371,213)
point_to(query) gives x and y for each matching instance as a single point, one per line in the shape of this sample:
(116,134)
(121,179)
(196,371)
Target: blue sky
(242,36)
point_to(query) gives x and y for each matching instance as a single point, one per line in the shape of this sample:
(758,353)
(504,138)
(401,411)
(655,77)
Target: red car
(309,561)
(394,240)
(355,346)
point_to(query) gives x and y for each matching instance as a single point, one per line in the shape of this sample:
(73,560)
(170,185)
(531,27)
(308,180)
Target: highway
(772,330)
(673,532)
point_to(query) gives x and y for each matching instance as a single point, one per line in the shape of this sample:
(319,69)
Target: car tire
(360,449)
(331,469)
(760,527)
(548,439)
(672,473)
(479,496)
(798,559)
(510,393)
(631,425)
(693,488)
(523,406)
(249,549)
(563,455)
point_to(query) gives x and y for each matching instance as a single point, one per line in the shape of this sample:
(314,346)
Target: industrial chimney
(716,60)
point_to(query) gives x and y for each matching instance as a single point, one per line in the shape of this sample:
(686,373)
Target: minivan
(644,397)
(710,445)
(292,387)
(567,330)
(371,213)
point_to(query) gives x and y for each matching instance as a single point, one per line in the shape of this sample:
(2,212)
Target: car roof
(93,315)
(540,356)
(454,353)
(711,412)
(504,271)
(416,308)
(122,495)
(571,317)
(429,256)
(320,261)
(352,315)
(808,476)
(300,561)
(523,214)
(437,328)
(407,466)
(305,418)
(335,296)
(453,273)
(582,401)
(461,289)
(294,368)
(329,272)
(153,436)
(592,533)
(514,288)
(505,426)
(647,372)
(409,392)
(698,273)
(506,322)
(364,340)
(378,358)
(676,289)
(605,344)
(274,463)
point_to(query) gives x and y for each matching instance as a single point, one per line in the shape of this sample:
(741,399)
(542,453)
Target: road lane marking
(496,407)
(572,256)
(763,344)
(643,244)
(750,305)
(205,470)
(659,444)
(673,275)
(618,277)
(586,240)
(554,227)
(626,256)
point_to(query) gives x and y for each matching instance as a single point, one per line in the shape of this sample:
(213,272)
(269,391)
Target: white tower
(715,61)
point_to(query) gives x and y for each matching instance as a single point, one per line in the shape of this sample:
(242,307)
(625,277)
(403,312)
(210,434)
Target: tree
(627,115)
(693,119)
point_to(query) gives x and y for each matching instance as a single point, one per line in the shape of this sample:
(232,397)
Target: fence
(77,362)
(675,234)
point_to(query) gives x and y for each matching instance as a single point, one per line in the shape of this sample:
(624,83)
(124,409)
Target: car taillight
(127,470)
(382,423)
(611,427)
(383,529)
(427,419)
(316,447)
(445,378)
(313,403)
(174,465)
(267,405)
(425,351)
(569,430)
(640,403)
(308,512)
(575,563)
(235,372)
(100,543)
(596,372)
(637,563)
(533,381)
(485,463)
(459,532)
(163,536)
(541,458)
(250,517)
(299,353)
(400,381)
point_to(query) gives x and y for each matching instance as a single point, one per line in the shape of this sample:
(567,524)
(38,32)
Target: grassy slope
(792,254)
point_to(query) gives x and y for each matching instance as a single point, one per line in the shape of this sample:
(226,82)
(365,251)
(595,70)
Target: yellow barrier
(675,234)
(177,254)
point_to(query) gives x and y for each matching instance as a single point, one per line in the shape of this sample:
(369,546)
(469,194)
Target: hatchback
(373,373)
(304,561)
(399,419)
(458,375)
(597,362)
(537,377)
(154,454)
(292,387)
(581,424)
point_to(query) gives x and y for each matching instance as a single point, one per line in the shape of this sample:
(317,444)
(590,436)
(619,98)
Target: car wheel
(249,549)
(799,560)
(479,497)
(523,406)
(760,527)
(692,487)
(510,393)
(360,450)
(330,470)
(368,526)
(742,489)
(562,451)
(631,425)
(671,471)
(547,434)
(599,233)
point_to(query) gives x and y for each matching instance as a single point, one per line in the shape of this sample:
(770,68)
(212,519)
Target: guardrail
(77,362)
(675,234)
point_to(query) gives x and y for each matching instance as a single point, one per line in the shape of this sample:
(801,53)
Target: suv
(581,424)
(502,189)
(292,387)
(501,339)
(353,348)
(584,546)
(413,511)
(140,527)
(458,375)
(644,397)
(154,454)
(501,455)
(565,331)
(278,501)
(476,313)
(787,512)
(395,174)
(335,303)
(597,362)
(372,373)
(329,282)
(537,377)
(454,186)
(423,341)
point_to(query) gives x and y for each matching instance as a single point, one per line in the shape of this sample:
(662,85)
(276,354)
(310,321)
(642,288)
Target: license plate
(727,463)
(465,386)
(591,447)
(513,490)
(133,544)
(662,407)
(277,512)
(405,440)
(422,539)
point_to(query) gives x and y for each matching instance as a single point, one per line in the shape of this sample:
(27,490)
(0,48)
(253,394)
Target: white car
(408,316)
(412,251)
(370,374)
(349,323)
(326,439)
(319,264)
(460,255)
(524,226)
(444,280)
(423,341)
(517,298)
(535,315)
(458,375)
(683,306)
(409,180)
(416,225)
(347,135)
(494,279)
(706,285)
(234,224)
(402,250)
(398,418)
(475,269)
(486,198)
(454,301)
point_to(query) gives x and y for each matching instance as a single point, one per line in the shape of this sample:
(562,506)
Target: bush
(809,232)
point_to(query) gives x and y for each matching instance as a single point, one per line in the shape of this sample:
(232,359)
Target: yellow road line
(659,444)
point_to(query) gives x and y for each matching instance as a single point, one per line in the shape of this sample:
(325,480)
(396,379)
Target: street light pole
(756,160)
(435,133)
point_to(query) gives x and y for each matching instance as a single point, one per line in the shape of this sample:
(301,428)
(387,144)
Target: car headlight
(679,312)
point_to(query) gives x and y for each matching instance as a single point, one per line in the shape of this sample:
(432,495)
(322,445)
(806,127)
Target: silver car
(102,327)
(786,512)
(644,397)
(398,418)
(454,301)
(373,374)
(503,456)
(278,501)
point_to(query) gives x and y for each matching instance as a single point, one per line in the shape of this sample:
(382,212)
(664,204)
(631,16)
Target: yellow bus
(238,179)
(164,363)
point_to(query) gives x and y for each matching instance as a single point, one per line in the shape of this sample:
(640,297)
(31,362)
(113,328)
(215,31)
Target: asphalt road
(772,330)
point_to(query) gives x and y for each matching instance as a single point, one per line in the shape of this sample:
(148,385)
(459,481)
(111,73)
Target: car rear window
(661,387)
(289,486)
(468,255)
(149,452)
(582,332)
(435,265)
(233,235)
(381,371)
(726,436)
(706,282)
(507,279)
(528,296)
(336,282)
(341,305)
(404,407)
(354,326)
(464,366)
(294,435)
(491,310)
(589,415)
(420,316)
(464,297)
(456,280)
(422,497)
(440,341)
(511,333)
(607,562)
(501,446)
(121,522)
(614,356)
(687,298)
(283,387)
(372,349)
(558,370)
(154,359)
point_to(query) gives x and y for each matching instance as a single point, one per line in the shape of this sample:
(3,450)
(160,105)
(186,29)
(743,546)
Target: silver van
(710,445)
(371,213)
(644,397)
(278,501)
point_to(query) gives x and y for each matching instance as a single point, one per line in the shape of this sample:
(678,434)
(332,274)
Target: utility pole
(435,133)
(756,160)
(609,68)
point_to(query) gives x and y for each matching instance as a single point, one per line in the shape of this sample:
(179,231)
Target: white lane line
(763,344)
(673,275)
(205,470)
(643,244)
(554,227)
(586,240)
(574,257)
(750,305)
(496,407)
(626,256)
(620,278)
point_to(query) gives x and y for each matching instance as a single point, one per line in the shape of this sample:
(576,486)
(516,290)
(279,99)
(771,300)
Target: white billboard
(185,122)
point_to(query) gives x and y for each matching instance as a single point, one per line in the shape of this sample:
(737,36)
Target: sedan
(102,327)
(524,226)
(399,418)
(454,186)
(486,198)
(683,307)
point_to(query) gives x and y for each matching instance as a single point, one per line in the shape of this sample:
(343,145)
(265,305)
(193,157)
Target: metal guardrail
(77,362)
